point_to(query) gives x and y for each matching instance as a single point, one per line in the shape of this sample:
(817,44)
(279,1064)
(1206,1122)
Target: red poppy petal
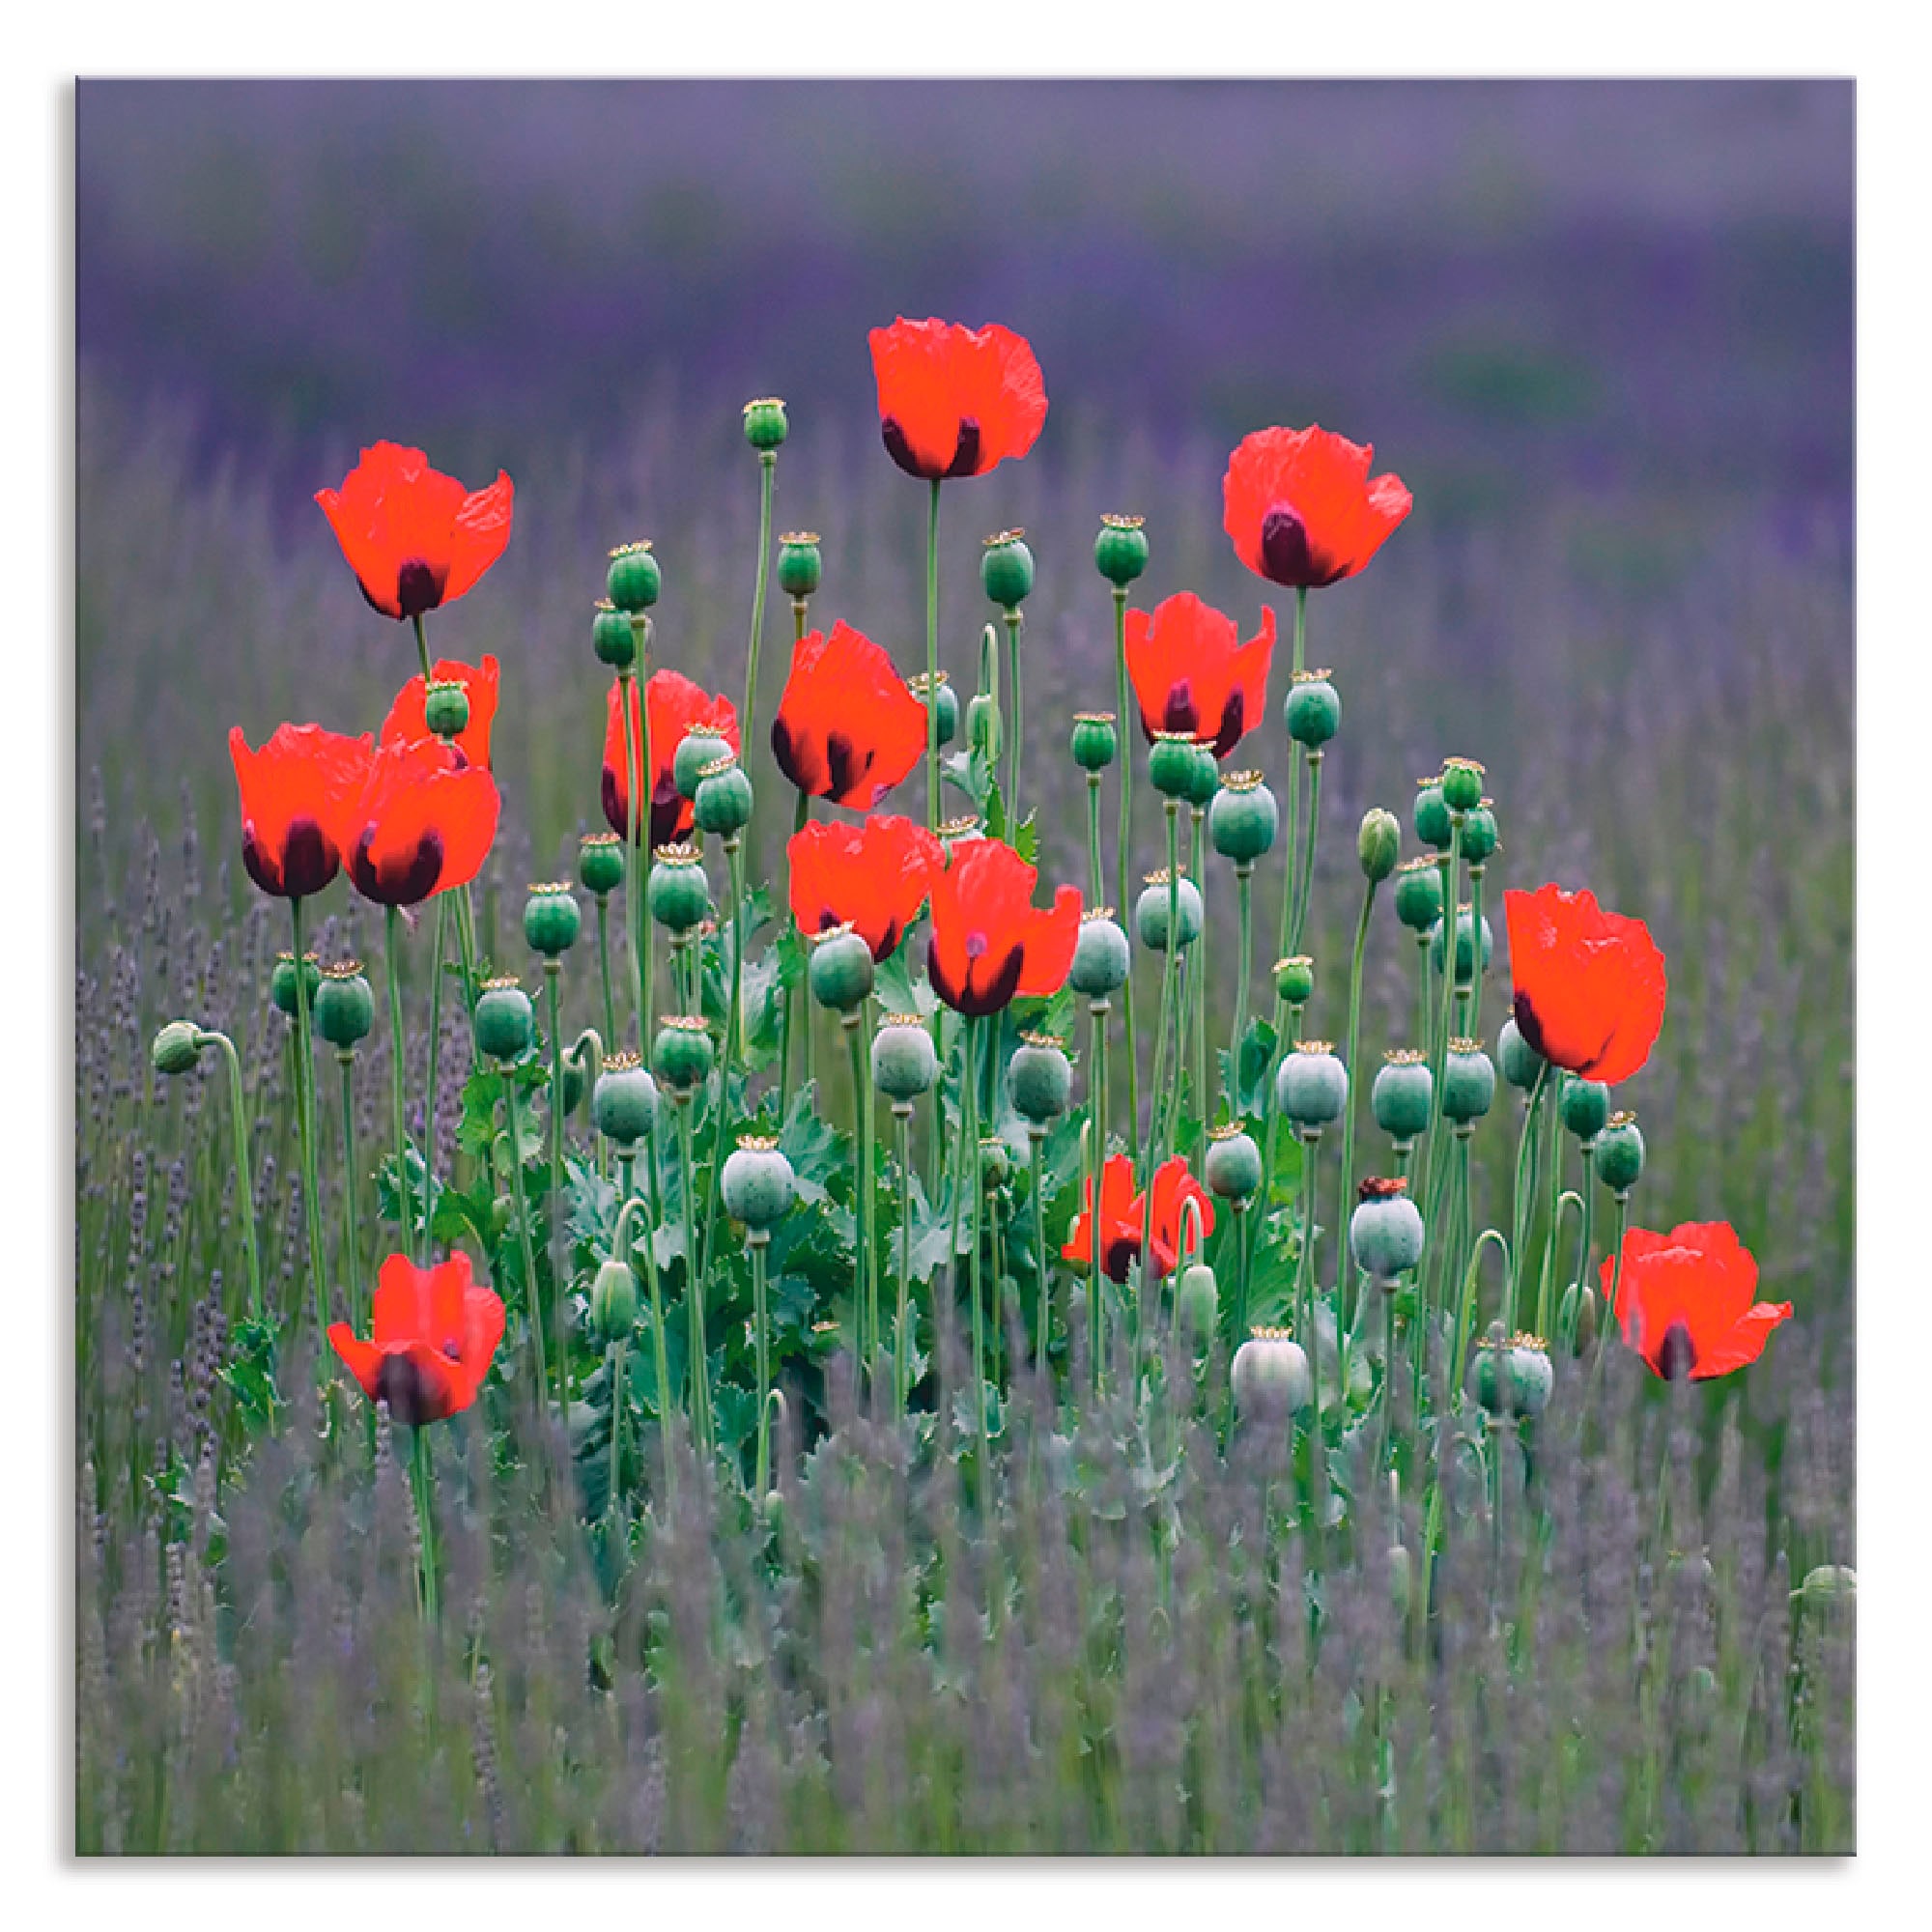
(1744,1344)
(478,534)
(363,1359)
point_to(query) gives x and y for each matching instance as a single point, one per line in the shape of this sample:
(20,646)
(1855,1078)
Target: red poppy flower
(1123,1212)
(1302,507)
(1589,983)
(406,720)
(1192,673)
(415,537)
(847,728)
(675,704)
(873,877)
(299,795)
(424,824)
(435,1331)
(1688,1301)
(990,943)
(956,401)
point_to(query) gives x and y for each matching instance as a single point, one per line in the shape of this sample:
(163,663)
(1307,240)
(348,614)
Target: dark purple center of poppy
(1676,1353)
(1180,713)
(846,766)
(306,863)
(966,451)
(418,588)
(1527,1024)
(1285,558)
(400,1383)
(401,878)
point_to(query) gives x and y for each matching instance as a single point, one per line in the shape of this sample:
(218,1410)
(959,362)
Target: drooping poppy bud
(614,1302)
(177,1048)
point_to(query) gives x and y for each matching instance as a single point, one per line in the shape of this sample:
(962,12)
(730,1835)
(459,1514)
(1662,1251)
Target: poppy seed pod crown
(904,1061)
(634,580)
(1096,740)
(1120,549)
(345,1005)
(1006,569)
(1243,818)
(801,567)
(766,425)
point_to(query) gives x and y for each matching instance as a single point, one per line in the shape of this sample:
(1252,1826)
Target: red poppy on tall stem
(424,824)
(1173,1187)
(956,401)
(990,943)
(872,877)
(1589,983)
(1688,1301)
(674,707)
(848,729)
(1302,509)
(1192,673)
(407,720)
(1123,1213)
(435,1331)
(415,537)
(299,795)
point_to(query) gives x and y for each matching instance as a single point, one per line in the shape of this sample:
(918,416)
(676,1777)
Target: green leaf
(818,1152)
(1248,1081)
(896,988)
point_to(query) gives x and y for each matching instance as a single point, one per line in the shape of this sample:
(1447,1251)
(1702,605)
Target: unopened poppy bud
(1379,843)
(1176,763)
(840,970)
(1312,711)
(982,726)
(1270,1376)
(1295,980)
(682,1054)
(177,1047)
(1150,911)
(1577,1317)
(904,1062)
(1101,958)
(600,863)
(723,806)
(504,1021)
(1418,894)
(800,565)
(345,1005)
(679,896)
(699,747)
(1461,783)
(612,636)
(1403,1095)
(996,1164)
(1431,814)
(282,982)
(1586,1107)
(757,1183)
(1120,549)
(573,1084)
(1006,569)
(1527,1375)
(614,1302)
(551,919)
(1401,1581)
(1233,1164)
(624,1102)
(1522,1064)
(1243,818)
(1468,1082)
(1311,1087)
(633,580)
(1197,1301)
(446,706)
(1479,834)
(1385,1231)
(765,424)
(1620,1153)
(1097,741)
(1040,1078)
(947,704)
(1465,945)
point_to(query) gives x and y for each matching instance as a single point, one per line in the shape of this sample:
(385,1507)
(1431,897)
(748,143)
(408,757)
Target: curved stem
(1608,1321)
(244,1182)
(1589,1190)
(768,465)
(932,661)
(617,1428)
(305,1107)
(1124,905)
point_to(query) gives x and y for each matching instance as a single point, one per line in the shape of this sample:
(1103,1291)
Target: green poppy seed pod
(922,687)
(1461,783)
(1418,894)
(600,863)
(1584,1328)
(624,1102)
(1197,1302)
(1234,1163)
(1385,1231)
(800,565)
(1270,1376)
(1295,980)
(840,970)
(1006,569)
(1479,834)
(904,1062)
(1312,711)
(1204,780)
(1465,945)
(1040,1078)
(1150,911)
(679,896)
(633,580)
(765,424)
(758,1185)
(446,706)
(1522,1064)
(1830,1586)
(1176,763)
(982,726)
(612,636)
(1101,957)
(1468,1082)
(1528,1376)
(1431,814)
(551,919)
(1097,742)
(614,1302)
(699,747)
(1403,1095)
(1311,1087)
(996,1163)
(282,982)
(682,1054)
(1620,1153)
(723,802)
(177,1047)
(505,1023)
(345,1005)
(1379,843)
(1586,1107)
(1243,818)
(1120,549)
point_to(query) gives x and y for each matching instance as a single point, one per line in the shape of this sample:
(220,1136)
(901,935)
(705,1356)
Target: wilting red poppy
(435,1331)
(424,823)
(1123,1212)
(1192,673)
(990,943)
(415,537)
(873,877)
(1302,509)
(675,704)
(848,729)
(956,401)
(406,720)
(1688,1301)
(299,795)
(1589,983)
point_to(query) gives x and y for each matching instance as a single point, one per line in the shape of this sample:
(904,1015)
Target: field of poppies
(1031,1241)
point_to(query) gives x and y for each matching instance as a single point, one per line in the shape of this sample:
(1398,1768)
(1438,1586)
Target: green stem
(638,1204)
(352,1246)
(1345,1330)
(903,1348)
(1589,1190)
(768,465)
(1244,898)
(1306,888)
(1096,1168)
(532,1292)
(1439,1041)
(1608,1322)
(1124,904)
(932,662)
(1043,1312)
(801,817)
(1014,677)
(603,968)
(434,1051)
(1522,1209)
(305,1105)
(965,1181)
(1094,887)
(1291,845)
(734,863)
(617,1429)
(424,1479)
(634,890)
(244,1184)
(1552,1160)
(422,644)
(392,963)
(756,1239)
(1197,977)
(552,972)
(1466,1308)
(1473,1027)
(865,1288)
(694,1286)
